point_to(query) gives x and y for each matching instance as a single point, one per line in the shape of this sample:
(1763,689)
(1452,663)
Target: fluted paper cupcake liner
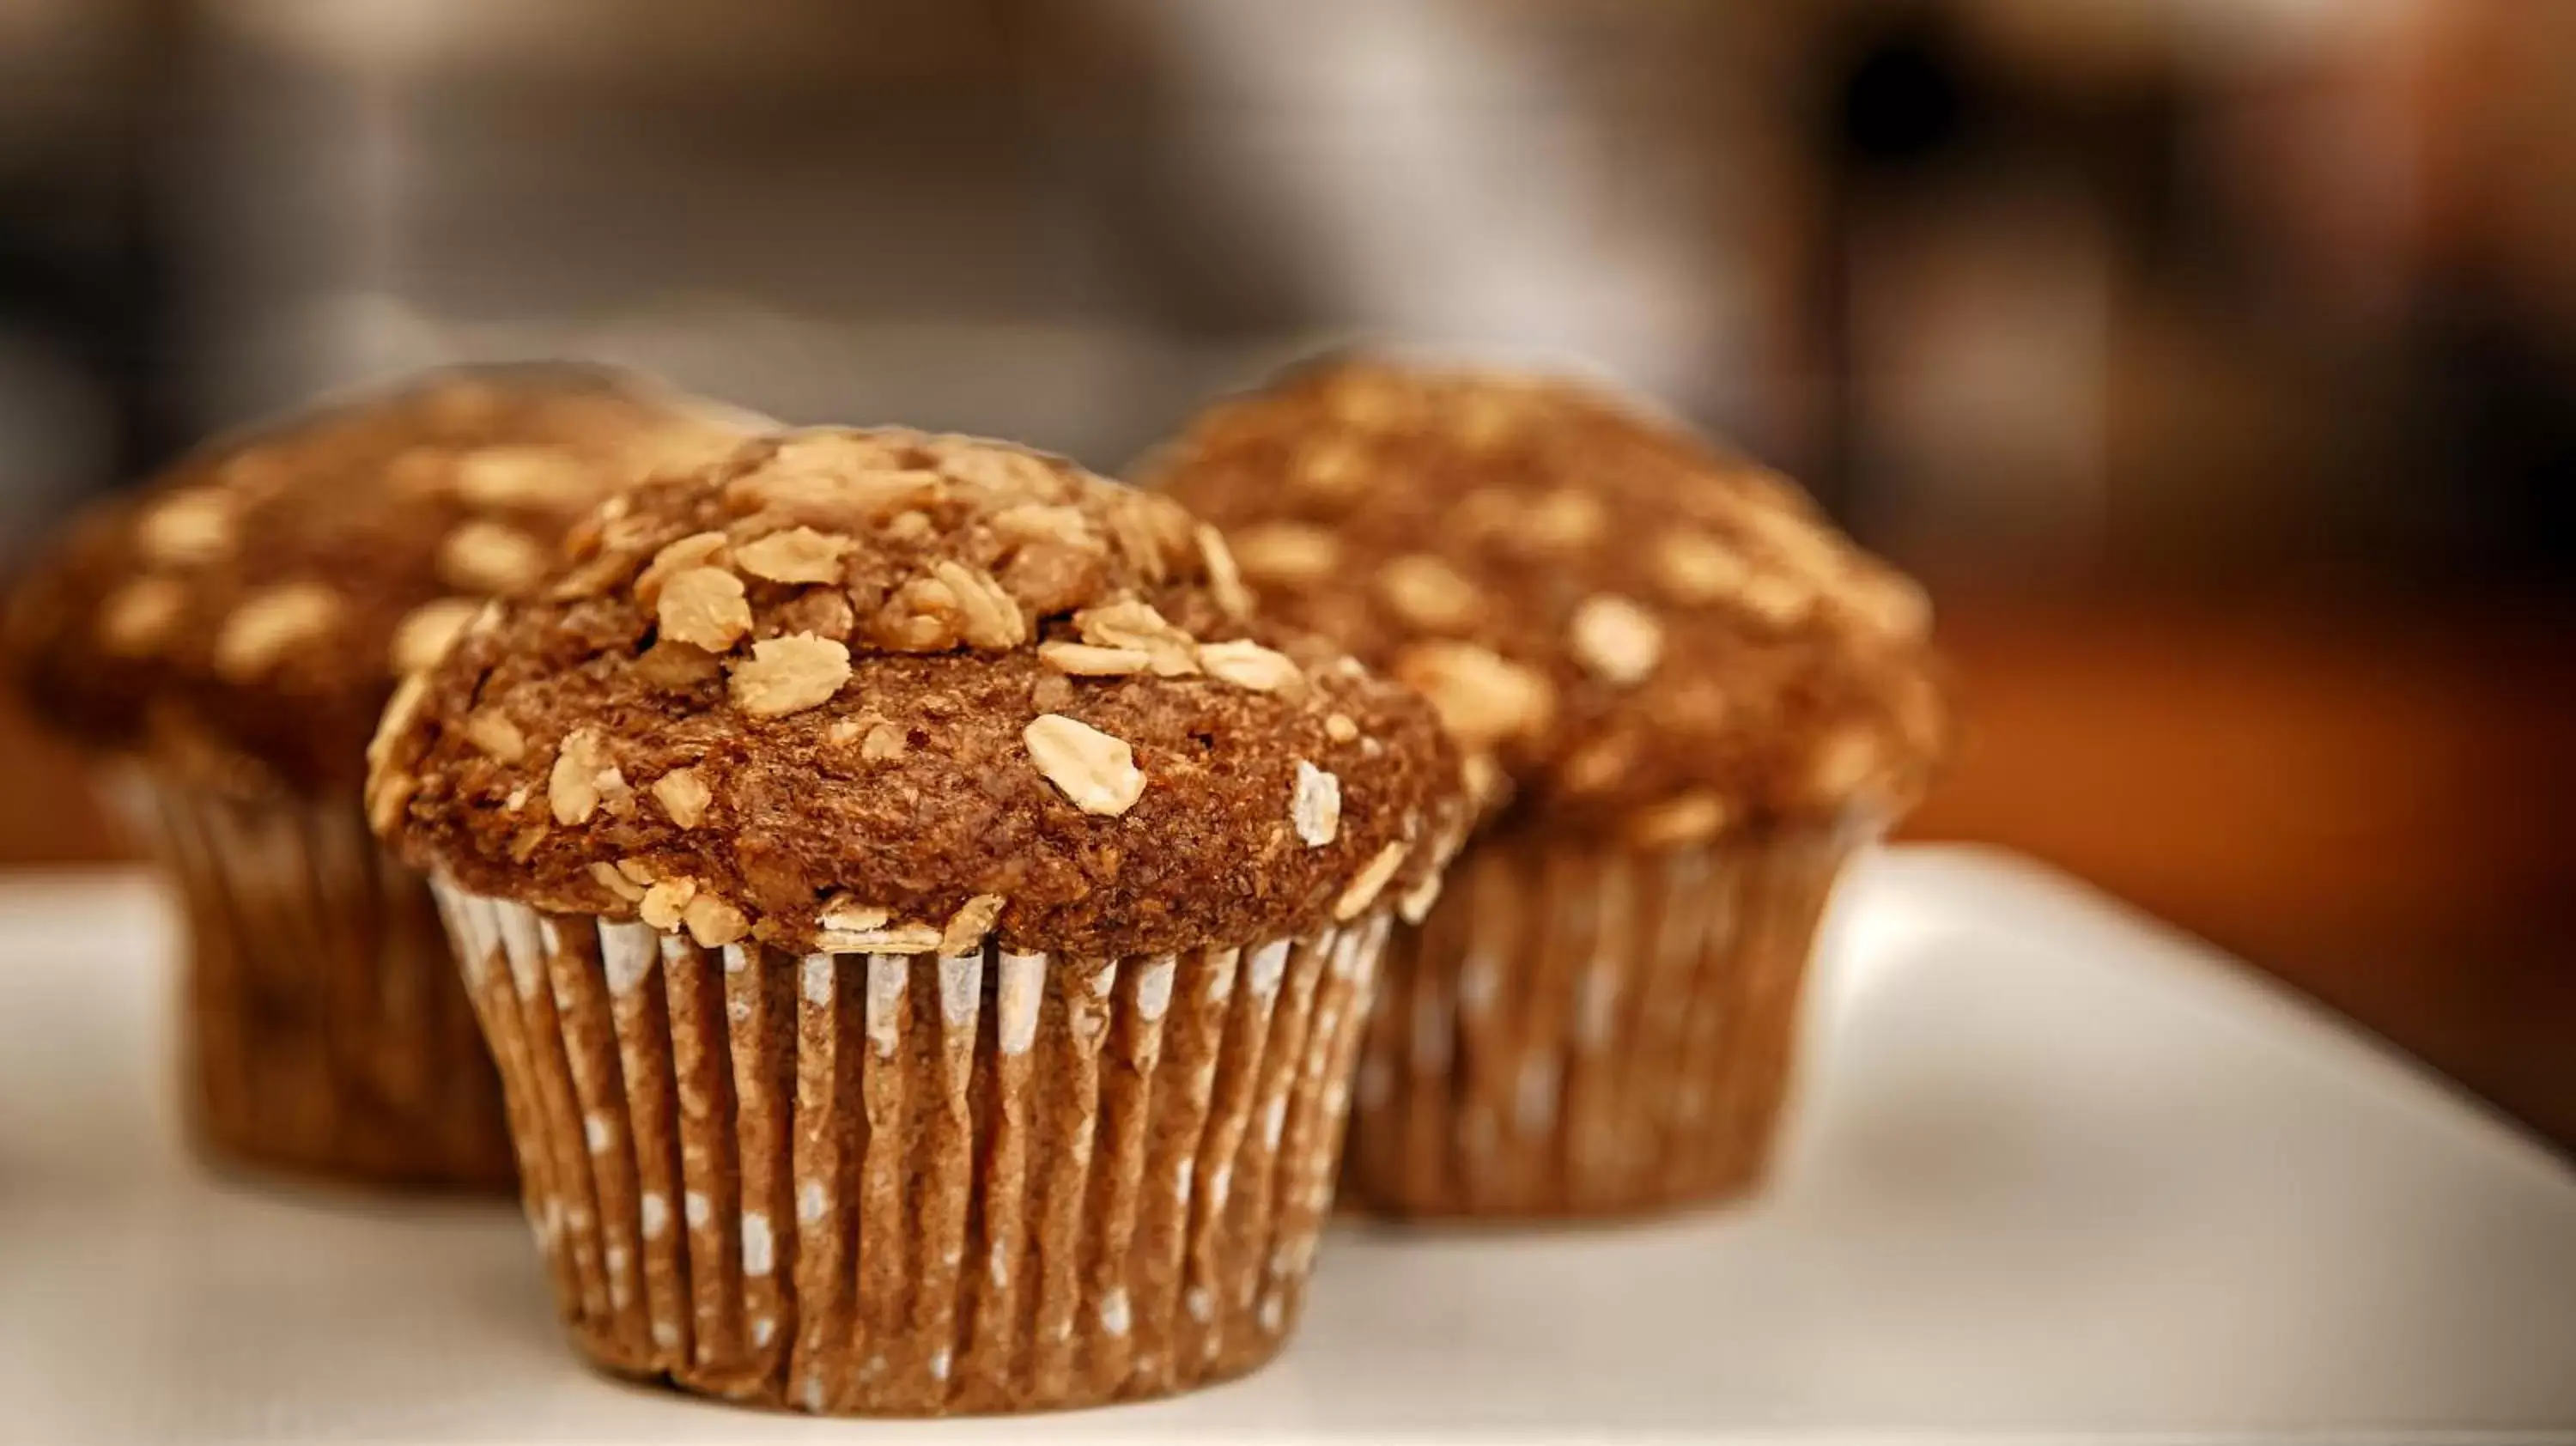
(324,1027)
(911,1185)
(1576,1032)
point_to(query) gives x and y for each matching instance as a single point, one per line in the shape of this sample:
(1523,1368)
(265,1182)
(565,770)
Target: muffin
(924,922)
(224,641)
(1684,700)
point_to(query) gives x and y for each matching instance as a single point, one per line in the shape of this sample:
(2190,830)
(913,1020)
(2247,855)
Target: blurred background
(2214,360)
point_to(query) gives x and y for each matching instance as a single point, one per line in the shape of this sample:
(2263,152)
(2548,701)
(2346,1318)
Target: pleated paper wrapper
(1578,1032)
(323,1024)
(912,1185)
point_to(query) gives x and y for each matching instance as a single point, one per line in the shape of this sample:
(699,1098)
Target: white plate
(2055,1175)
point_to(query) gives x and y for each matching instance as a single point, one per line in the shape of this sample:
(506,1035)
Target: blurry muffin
(925,927)
(225,639)
(1685,700)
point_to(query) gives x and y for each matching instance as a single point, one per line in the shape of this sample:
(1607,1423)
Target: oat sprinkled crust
(1635,634)
(250,610)
(880,691)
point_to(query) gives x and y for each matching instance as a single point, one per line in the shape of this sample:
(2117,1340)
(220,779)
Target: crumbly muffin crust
(246,615)
(879,691)
(1633,635)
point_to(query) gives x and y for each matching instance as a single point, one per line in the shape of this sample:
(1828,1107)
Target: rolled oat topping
(1632,633)
(253,607)
(898,693)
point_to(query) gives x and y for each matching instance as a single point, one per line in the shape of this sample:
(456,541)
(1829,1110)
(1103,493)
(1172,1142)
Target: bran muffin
(1685,700)
(926,925)
(224,640)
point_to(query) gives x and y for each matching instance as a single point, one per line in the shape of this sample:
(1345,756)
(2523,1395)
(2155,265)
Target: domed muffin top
(245,615)
(1638,636)
(879,691)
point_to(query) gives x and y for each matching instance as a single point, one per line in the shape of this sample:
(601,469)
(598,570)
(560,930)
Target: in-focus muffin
(924,926)
(1686,700)
(225,639)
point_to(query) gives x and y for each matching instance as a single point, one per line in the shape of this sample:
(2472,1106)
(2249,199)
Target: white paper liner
(909,1185)
(324,1027)
(1577,1032)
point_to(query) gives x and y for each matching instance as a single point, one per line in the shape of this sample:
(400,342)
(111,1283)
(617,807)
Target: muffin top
(244,617)
(1634,635)
(880,691)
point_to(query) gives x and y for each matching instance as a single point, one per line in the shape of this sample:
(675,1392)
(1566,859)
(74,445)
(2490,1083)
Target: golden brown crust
(1659,643)
(888,692)
(245,615)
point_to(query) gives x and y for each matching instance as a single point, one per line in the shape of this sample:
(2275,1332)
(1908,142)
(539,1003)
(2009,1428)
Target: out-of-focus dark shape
(2207,355)
(84,297)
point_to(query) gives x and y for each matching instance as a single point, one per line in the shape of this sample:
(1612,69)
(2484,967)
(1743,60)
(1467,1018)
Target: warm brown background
(2369,802)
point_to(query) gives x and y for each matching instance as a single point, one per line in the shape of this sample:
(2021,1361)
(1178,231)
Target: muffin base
(907,1185)
(1578,1033)
(324,1030)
